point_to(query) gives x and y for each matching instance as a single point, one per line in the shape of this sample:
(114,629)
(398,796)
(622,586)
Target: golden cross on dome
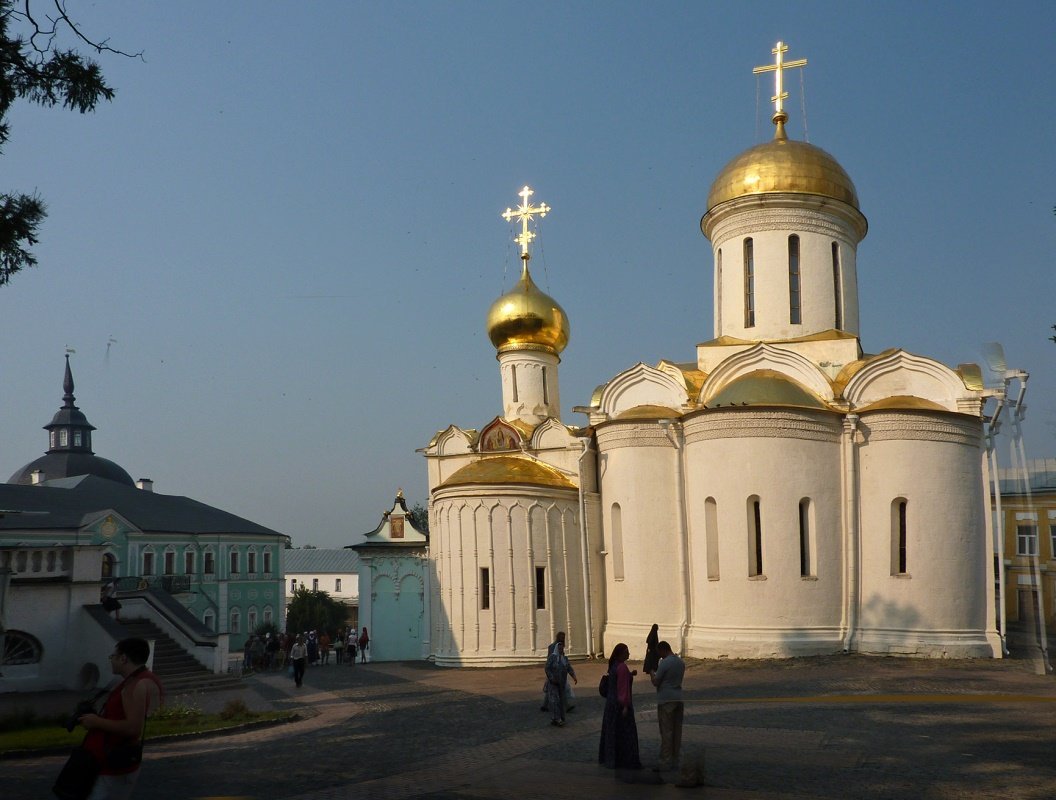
(778,68)
(524,212)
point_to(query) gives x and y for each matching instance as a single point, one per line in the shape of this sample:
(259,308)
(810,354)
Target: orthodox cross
(778,68)
(524,212)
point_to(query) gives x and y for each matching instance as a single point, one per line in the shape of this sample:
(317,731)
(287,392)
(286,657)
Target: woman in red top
(120,725)
(618,748)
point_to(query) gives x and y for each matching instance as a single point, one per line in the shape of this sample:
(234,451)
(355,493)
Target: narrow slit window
(718,289)
(540,587)
(546,389)
(485,588)
(755,538)
(899,537)
(337,584)
(617,542)
(234,562)
(795,316)
(806,540)
(711,533)
(513,380)
(749,284)
(837,286)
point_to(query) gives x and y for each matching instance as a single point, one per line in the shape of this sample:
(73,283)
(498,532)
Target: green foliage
(34,69)
(265,628)
(16,720)
(236,709)
(419,517)
(315,610)
(177,711)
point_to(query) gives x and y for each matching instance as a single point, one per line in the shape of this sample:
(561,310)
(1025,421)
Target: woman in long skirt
(618,748)
(652,657)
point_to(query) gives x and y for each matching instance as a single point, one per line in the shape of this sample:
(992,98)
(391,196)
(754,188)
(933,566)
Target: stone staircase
(179,671)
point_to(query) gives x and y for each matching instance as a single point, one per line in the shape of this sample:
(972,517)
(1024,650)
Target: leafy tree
(315,610)
(34,68)
(419,517)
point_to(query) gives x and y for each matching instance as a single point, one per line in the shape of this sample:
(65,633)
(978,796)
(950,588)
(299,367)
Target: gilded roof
(832,334)
(902,402)
(783,165)
(506,470)
(766,387)
(648,412)
(527,318)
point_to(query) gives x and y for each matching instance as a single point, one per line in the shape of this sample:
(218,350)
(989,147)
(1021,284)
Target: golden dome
(783,165)
(508,470)
(527,319)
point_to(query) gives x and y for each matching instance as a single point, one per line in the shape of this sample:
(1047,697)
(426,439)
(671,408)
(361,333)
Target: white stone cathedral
(783,494)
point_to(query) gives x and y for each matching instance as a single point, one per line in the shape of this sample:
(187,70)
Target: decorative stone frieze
(894,426)
(748,222)
(639,434)
(763,424)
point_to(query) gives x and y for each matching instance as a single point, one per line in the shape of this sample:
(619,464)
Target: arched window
(170,560)
(513,380)
(268,615)
(795,316)
(209,567)
(749,284)
(711,533)
(236,621)
(251,562)
(617,542)
(234,561)
(837,286)
(109,566)
(807,555)
(546,389)
(755,538)
(20,648)
(188,561)
(148,561)
(718,288)
(251,619)
(899,536)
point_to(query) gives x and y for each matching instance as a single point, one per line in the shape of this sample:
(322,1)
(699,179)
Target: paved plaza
(831,727)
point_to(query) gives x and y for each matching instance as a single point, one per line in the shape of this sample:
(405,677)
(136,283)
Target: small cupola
(69,430)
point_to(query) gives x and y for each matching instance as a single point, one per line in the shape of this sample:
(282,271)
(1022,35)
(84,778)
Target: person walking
(652,658)
(558,671)
(364,643)
(618,748)
(299,658)
(339,647)
(667,678)
(108,597)
(324,647)
(118,729)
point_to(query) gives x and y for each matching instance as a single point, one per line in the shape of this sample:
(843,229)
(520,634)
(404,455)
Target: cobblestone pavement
(832,727)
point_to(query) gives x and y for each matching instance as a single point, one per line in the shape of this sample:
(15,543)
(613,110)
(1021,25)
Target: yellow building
(1029,521)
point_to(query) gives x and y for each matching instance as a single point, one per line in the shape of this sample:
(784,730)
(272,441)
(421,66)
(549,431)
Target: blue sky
(288,219)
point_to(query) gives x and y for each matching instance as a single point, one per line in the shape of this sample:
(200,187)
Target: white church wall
(936,607)
(769,223)
(779,458)
(642,527)
(508,532)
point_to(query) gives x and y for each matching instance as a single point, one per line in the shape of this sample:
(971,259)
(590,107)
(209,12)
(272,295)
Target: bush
(236,709)
(178,711)
(19,719)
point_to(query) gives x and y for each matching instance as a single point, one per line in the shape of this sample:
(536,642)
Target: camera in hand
(83,707)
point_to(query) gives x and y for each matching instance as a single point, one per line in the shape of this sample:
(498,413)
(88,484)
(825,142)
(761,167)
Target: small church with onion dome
(783,493)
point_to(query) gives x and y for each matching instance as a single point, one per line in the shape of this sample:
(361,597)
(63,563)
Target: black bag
(124,755)
(603,686)
(78,775)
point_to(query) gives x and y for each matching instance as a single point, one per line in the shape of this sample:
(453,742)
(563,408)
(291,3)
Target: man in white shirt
(667,678)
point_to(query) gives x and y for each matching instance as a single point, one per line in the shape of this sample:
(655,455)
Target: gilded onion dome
(526,318)
(783,165)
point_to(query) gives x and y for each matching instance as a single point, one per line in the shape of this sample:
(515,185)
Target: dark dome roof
(68,465)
